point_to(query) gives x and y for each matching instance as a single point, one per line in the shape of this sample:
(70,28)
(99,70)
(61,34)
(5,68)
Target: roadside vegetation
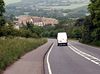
(90,27)
(12,49)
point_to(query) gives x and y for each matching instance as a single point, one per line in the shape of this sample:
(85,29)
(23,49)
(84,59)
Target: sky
(11,1)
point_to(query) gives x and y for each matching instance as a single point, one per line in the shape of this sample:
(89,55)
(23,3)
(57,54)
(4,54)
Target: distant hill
(41,8)
(54,0)
(78,12)
(37,2)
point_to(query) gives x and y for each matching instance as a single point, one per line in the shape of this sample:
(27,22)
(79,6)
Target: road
(76,58)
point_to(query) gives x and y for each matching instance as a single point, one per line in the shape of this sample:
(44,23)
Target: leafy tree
(76,32)
(94,9)
(87,29)
(38,30)
(79,22)
(2,11)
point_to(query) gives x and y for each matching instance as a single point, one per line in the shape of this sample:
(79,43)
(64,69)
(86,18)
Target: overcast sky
(10,1)
(13,1)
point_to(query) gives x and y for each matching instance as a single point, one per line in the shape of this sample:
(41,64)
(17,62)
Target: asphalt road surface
(76,58)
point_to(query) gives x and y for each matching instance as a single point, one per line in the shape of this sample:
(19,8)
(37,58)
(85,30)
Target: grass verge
(12,49)
(96,43)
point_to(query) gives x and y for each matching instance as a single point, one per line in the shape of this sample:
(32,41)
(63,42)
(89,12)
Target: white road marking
(85,55)
(48,64)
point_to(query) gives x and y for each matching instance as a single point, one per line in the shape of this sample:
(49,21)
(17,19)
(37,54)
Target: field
(12,49)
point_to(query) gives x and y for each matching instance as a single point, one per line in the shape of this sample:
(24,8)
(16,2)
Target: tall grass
(13,49)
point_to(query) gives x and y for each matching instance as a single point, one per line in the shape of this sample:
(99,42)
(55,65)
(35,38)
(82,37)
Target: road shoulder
(31,63)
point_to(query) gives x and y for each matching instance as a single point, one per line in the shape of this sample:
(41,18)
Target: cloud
(11,1)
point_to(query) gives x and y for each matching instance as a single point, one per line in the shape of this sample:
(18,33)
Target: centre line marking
(85,55)
(48,64)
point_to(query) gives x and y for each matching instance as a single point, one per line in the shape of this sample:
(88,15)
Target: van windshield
(62,35)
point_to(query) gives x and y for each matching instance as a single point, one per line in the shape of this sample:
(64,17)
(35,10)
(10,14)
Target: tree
(87,29)
(2,11)
(76,32)
(38,30)
(94,9)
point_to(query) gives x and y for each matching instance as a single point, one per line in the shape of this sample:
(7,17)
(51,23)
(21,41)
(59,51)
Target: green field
(12,49)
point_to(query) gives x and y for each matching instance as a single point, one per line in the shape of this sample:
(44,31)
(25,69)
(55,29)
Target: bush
(37,30)
(9,30)
(96,43)
(96,34)
(76,33)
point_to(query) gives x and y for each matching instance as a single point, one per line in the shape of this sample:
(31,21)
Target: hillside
(47,2)
(54,0)
(49,8)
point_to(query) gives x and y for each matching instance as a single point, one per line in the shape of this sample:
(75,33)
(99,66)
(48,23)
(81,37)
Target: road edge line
(47,59)
(44,57)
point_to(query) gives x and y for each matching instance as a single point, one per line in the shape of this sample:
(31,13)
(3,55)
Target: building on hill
(49,21)
(38,21)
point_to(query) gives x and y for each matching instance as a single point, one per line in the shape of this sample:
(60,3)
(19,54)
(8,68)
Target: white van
(62,38)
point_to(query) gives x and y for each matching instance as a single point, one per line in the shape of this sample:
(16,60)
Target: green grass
(12,49)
